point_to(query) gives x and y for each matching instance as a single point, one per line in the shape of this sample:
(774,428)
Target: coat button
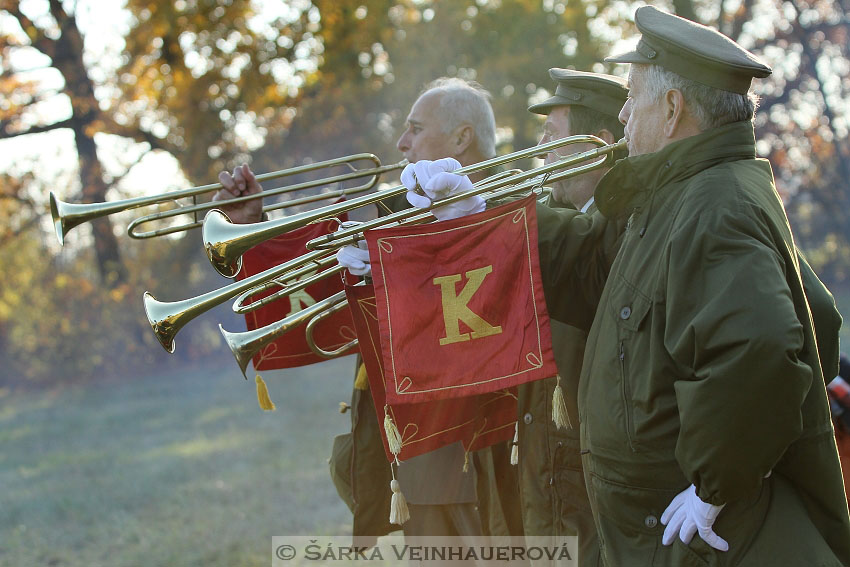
(625,312)
(650,521)
(527,419)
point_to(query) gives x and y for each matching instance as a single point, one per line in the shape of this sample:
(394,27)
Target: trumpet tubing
(245,344)
(499,185)
(166,318)
(311,326)
(66,216)
(287,282)
(225,242)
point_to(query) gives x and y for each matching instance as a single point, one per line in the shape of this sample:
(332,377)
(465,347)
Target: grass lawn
(176,469)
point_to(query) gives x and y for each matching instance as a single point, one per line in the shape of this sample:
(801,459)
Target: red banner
(460,305)
(476,421)
(291,350)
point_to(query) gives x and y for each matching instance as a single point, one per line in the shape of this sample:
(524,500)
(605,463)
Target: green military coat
(826,318)
(701,365)
(552,493)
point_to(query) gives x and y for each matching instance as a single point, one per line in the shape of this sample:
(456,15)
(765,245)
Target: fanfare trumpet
(246,344)
(69,215)
(166,318)
(225,242)
(515,183)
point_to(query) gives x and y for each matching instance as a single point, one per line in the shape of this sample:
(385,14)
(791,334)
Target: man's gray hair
(711,107)
(466,102)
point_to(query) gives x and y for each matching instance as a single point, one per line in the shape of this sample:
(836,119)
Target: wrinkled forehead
(425,108)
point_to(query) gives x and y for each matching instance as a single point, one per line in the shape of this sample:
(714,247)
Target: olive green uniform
(701,365)
(552,493)
(826,318)
(554,499)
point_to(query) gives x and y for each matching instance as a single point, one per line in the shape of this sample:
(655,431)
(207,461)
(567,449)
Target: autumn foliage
(209,84)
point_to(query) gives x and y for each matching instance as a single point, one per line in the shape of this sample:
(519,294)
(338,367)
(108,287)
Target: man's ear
(462,137)
(674,112)
(606,135)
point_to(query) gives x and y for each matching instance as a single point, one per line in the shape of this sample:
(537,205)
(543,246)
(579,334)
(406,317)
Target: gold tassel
(393,436)
(559,407)
(362,380)
(266,403)
(466,461)
(399,512)
(515,446)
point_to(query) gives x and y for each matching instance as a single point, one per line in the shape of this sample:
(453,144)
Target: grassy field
(181,469)
(176,469)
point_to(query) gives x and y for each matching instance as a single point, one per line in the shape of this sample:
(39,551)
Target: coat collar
(632,179)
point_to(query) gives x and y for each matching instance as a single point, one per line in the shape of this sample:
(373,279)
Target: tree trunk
(68,59)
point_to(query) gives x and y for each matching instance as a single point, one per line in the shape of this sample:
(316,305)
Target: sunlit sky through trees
(105,24)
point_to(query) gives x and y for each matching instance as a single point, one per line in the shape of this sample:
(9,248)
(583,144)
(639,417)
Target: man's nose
(623,117)
(402,143)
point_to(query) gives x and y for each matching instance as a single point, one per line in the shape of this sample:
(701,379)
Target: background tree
(802,122)
(201,81)
(211,83)
(181,87)
(58,38)
(379,54)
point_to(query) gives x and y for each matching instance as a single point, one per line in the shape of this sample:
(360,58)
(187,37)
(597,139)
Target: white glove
(686,515)
(429,181)
(354,257)
(416,176)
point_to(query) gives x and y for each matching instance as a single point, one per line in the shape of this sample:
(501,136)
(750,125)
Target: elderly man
(583,103)
(701,402)
(553,495)
(451,118)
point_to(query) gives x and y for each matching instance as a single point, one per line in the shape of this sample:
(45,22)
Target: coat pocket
(630,308)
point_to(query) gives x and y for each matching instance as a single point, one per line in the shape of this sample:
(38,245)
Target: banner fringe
(266,403)
(515,445)
(560,415)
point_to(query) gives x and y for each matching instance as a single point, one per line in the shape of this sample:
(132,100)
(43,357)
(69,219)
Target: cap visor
(547,105)
(630,57)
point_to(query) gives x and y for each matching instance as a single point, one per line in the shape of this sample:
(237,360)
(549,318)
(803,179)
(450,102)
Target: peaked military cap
(693,51)
(603,93)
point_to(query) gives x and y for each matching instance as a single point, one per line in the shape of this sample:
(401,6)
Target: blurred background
(116,453)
